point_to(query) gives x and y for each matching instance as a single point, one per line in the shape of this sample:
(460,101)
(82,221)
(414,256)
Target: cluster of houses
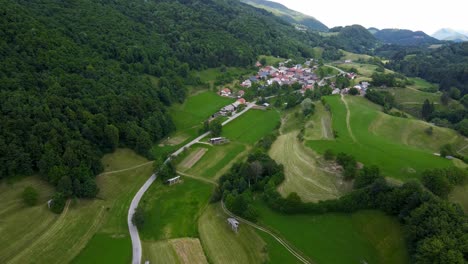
(362,89)
(285,76)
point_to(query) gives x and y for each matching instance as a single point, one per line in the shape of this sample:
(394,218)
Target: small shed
(233,223)
(174,180)
(218,140)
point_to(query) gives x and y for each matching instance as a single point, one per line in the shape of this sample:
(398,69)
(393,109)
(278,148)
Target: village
(302,74)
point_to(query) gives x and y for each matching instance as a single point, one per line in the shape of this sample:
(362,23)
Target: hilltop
(289,15)
(403,37)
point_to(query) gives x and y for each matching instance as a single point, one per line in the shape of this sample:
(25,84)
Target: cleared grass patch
(105,248)
(193,157)
(173,211)
(319,126)
(216,160)
(182,250)
(251,126)
(460,195)
(393,157)
(362,237)
(222,245)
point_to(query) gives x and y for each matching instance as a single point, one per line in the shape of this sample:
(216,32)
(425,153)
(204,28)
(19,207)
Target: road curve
(136,242)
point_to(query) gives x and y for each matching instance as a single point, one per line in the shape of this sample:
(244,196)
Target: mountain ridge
(450,34)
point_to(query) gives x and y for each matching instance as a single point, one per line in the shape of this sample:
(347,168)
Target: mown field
(181,250)
(216,160)
(305,173)
(222,245)
(173,211)
(362,237)
(34,233)
(252,126)
(363,140)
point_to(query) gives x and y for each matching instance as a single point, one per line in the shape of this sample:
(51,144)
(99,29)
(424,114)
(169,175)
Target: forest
(78,76)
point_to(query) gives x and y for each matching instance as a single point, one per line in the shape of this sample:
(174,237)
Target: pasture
(106,248)
(181,250)
(358,135)
(271,60)
(173,211)
(252,126)
(222,245)
(215,161)
(36,233)
(365,236)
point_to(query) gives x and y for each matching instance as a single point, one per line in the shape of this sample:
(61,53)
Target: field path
(284,243)
(127,169)
(136,242)
(348,117)
(198,178)
(325,131)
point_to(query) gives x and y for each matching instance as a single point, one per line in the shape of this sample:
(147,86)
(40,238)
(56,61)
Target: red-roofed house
(225,92)
(240,93)
(258,64)
(241,101)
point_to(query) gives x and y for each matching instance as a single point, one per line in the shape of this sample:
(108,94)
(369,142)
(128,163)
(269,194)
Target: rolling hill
(403,37)
(289,15)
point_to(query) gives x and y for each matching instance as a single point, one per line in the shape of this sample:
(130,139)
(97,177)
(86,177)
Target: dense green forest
(353,38)
(404,37)
(74,75)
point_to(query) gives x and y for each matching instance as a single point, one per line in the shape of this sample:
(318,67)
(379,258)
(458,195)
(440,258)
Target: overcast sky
(428,16)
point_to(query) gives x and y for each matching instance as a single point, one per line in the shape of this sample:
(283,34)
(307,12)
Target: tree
(454,93)
(138,218)
(427,109)
(329,155)
(367,176)
(58,203)
(436,182)
(30,196)
(263,61)
(255,170)
(353,91)
(308,107)
(216,127)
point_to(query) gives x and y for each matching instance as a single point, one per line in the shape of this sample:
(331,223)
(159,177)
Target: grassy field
(216,160)
(28,233)
(182,250)
(252,126)
(271,60)
(393,157)
(173,211)
(222,245)
(319,126)
(368,236)
(305,173)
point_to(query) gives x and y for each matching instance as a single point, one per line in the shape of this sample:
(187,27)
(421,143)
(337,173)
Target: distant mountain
(403,37)
(288,15)
(450,34)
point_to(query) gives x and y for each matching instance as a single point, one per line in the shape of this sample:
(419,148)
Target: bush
(353,91)
(58,203)
(138,218)
(329,155)
(30,196)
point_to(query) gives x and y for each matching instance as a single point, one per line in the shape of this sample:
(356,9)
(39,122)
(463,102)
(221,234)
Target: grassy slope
(394,158)
(183,250)
(222,245)
(367,236)
(36,233)
(252,126)
(173,211)
(305,174)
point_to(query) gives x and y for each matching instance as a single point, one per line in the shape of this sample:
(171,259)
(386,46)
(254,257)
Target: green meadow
(252,126)
(363,237)
(370,145)
(173,211)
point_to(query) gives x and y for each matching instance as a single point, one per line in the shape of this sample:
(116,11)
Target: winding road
(136,242)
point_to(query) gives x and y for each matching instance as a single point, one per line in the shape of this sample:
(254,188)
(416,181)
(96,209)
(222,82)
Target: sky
(428,16)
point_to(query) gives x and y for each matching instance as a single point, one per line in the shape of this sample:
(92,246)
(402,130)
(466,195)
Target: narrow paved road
(136,242)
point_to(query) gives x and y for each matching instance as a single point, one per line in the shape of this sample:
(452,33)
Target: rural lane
(135,236)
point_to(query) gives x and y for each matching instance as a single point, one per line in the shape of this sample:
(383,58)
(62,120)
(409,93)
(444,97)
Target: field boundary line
(348,117)
(284,243)
(127,169)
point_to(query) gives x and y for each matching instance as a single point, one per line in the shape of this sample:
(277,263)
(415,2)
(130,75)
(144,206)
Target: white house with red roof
(225,92)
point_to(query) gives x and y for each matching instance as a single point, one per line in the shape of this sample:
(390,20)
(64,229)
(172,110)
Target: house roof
(241,101)
(226,90)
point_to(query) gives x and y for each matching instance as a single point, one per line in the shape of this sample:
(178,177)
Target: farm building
(219,140)
(174,180)
(233,223)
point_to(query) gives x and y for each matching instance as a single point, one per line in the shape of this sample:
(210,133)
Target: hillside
(289,15)
(74,75)
(404,37)
(353,38)
(450,34)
